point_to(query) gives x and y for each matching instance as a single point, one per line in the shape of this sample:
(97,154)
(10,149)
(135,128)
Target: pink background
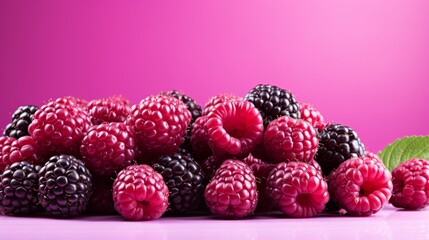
(361,63)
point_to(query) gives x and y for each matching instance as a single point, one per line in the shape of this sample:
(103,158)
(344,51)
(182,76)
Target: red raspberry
(361,186)
(59,129)
(250,160)
(411,184)
(108,147)
(16,150)
(140,193)
(232,192)
(101,201)
(316,165)
(108,110)
(159,123)
(73,101)
(215,100)
(120,99)
(312,115)
(298,188)
(234,129)
(200,139)
(287,139)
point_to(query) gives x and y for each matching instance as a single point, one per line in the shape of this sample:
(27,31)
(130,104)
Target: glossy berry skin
(200,139)
(287,139)
(215,100)
(64,186)
(190,103)
(273,102)
(234,129)
(140,193)
(15,150)
(18,189)
(184,179)
(298,189)
(21,119)
(232,192)
(160,124)
(338,143)
(108,110)
(312,116)
(58,128)
(108,147)
(361,186)
(411,184)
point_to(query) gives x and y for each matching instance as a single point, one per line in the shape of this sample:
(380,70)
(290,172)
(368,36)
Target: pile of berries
(168,155)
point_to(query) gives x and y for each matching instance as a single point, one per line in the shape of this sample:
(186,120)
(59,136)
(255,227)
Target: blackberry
(273,102)
(184,180)
(64,186)
(21,119)
(18,189)
(337,144)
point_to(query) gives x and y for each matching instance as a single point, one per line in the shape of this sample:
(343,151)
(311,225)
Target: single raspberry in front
(140,193)
(232,191)
(298,189)
(234,129)
(287,139)
(160,124)
(108,147)
(411,184)
(361,186)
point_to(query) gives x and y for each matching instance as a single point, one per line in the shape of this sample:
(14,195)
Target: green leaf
(404,149)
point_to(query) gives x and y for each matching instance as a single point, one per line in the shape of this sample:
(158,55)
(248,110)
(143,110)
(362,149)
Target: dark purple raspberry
(18,189)
(21,119)
(160,124)
(140,193)
(209,167)
(337,144)
(232,192)
(287,139)
(200,139)
(108,147)
(215,100)
(273,102)
(312,115)
(16,150)
(59,128)
(184,180)
(64,186)
(298,189)
(234,129)
(101,201)
(108,110)
(361,186)
(411,184)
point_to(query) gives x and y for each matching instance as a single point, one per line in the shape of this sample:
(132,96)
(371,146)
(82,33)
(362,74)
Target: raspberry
(160,124)
(64,186)
(120,99)
(232,192)
(287,139)
(190,103)
(58,128)
(21,119)
(215,100)
(411,184)
(140,193)
(108,110)
(184,180)
(361,186)
(298,188)
(16,150)
(312,115)
(337,143)
(108,147)
(200,139)
(73,101)
(273,102)
(101,201)
(261,171)
(18,189)
(234,129)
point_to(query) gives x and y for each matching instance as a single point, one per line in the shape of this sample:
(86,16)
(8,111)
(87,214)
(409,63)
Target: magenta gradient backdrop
(361,63)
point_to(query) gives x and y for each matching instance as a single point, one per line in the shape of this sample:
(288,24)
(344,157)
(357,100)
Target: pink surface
(362,63)
(390,223)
